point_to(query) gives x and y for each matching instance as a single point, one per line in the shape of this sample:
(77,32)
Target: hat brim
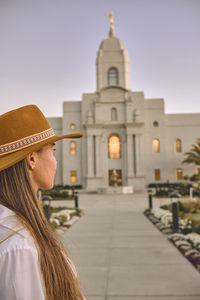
(10,159)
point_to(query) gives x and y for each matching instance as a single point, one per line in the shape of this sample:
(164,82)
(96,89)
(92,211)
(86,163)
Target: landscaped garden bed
(61,217)
(188,245)
(64,217)
(61,192)
(164,189)
(187,237)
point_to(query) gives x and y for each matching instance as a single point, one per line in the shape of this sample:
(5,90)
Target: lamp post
(74,196)
(151,192)
(175,208)
(76,199)
(73,191)
(46,199)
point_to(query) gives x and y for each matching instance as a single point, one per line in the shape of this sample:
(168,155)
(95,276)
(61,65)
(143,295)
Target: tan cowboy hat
(23,131)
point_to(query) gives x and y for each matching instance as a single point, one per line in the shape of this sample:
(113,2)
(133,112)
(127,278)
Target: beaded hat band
(26,142)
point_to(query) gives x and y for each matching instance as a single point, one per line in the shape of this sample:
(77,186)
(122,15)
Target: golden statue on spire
(111,32)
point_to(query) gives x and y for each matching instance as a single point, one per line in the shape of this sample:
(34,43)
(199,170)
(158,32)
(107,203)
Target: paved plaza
(121,255)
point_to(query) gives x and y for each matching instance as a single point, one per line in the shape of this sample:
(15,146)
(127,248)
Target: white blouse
(20,275)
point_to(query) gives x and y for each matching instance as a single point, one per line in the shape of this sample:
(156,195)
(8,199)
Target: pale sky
(48,50)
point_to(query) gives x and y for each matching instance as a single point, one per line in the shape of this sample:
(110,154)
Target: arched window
(113,76)
(114,147)
(72,148)
(113,114)
(178,145)
(156,145)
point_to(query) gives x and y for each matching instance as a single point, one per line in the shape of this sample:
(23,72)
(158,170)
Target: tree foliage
(193,156)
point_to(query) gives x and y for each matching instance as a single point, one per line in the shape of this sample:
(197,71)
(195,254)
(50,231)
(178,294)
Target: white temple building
(124,133)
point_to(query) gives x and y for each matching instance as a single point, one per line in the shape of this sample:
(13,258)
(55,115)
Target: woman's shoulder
(13,236)
(14,240)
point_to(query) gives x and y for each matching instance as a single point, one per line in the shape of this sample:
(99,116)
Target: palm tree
(193,156)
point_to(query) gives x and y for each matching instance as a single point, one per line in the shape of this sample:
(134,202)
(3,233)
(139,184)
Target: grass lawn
(194,217)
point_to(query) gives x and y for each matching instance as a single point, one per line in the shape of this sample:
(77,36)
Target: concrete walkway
(120,255)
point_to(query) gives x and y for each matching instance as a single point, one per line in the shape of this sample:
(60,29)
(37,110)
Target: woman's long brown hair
(17,194)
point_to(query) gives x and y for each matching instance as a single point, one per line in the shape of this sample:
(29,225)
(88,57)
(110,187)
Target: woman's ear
(31,160)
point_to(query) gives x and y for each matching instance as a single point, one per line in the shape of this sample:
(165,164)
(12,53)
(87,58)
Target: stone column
(129,145)
(98,156)
(138,154)
(90,156)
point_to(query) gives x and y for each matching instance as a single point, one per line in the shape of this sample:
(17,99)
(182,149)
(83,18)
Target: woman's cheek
(55,164)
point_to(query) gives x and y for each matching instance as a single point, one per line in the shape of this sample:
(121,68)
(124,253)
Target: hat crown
(21,123)
(23,131)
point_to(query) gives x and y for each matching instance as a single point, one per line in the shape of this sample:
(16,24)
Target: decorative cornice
(111,87)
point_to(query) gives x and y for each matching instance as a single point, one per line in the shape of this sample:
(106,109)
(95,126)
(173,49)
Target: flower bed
(162,218)
(64,217)
(188,244)
(159,218)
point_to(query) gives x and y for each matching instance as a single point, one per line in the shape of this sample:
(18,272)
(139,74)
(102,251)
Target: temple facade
(128,139)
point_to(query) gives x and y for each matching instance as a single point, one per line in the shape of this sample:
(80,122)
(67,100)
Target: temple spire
(111,32)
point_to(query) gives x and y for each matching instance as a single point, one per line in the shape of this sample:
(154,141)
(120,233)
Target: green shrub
(62,219)
(165,206)
(57,194)
(194,177)
(54,225)
(181,206)
(57,209)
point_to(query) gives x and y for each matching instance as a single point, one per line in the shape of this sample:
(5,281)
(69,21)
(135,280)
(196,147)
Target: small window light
(72,126)
(179,174)
(73,176)
(72,148)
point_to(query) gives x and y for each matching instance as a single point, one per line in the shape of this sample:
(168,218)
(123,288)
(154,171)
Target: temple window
(114,147)
(179,174)
(73,176)
(113,114)
(113,76)
(156,145)
(72,148)
(178,145)
(157,174)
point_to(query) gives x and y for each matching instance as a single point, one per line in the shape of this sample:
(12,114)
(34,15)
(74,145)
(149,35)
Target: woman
(33,264)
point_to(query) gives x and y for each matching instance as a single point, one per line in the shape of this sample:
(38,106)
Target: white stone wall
(187,128)
(154,111)
(171,127)
(71,114)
